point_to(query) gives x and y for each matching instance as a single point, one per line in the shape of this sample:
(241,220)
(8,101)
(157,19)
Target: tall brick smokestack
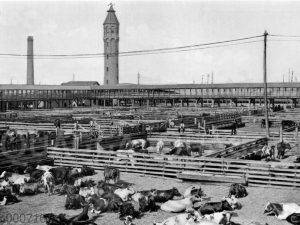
(30,70)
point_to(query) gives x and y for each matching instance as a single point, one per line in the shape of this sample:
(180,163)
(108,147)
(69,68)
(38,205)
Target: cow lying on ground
(212,207)
(34,173)
(165,195)
(68,190)
(281,210)
(29,188)
(181,219)
(238,190)
(140,194)
(124,193)
(74,201)
(86,191)
(7,197)
(61,219)
(147,203)
(127,209)
(179,205)
(294,218)
(99,204)
(193,190)
(111,173)
(233,202)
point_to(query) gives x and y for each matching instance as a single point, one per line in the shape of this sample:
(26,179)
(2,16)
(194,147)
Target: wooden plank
(211,178)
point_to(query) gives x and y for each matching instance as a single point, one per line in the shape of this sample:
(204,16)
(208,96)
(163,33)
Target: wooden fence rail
(257,173)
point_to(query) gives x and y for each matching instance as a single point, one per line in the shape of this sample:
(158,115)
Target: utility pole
(265,84)
(202,78)
(292,76)
(138,78)
(212,77)
(283,78)
(73,77)
(207,78)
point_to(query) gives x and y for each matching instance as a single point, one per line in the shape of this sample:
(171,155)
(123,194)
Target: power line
(159,50)
(283,35)
(133,54)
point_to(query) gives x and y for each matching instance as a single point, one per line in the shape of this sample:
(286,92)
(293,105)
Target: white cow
(282,210)
(45,167)
(179,205)
(160,146)
(181,219)
(124,193)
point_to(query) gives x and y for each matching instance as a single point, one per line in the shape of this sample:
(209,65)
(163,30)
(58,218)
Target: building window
(107,68)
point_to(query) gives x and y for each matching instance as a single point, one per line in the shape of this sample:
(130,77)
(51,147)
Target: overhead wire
(140,52)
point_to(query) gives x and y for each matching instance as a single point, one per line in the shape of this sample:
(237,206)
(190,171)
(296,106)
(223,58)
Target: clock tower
(111,48)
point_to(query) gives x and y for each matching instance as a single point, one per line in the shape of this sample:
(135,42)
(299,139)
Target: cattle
(147,203)
(44,167)
(140,194)
(99,204)
(137,144)
(165,195)
(212,207)
(128,220)
(68,190)
(4,184)
(82,218)
(34,173)
(16,178)
(238,190)
(7,197)
(71,176)
(107,187)
(114,201)
(29,188)
(59,173)
(48,182)
(127,209)
(193,190)
(74,201)
(159,146)
(84,183)
(111,173)
(219,217)
(181,219)
(87,171)
(179,205)
(294,218)
(179,148)
(195,149)
(281,210)
(281,148)
(124,193)
(86,191)
(233,202)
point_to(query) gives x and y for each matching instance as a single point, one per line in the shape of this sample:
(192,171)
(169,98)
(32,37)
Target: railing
(257,173)
(242,147)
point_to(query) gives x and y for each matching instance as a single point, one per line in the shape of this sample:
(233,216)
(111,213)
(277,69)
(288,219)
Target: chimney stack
(30,70)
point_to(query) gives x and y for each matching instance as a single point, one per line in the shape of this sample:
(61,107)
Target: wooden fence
(239,149)
(256,173)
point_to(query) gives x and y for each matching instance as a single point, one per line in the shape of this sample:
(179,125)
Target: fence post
(280,133)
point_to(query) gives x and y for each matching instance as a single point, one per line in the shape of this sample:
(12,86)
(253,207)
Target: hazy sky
(76,27)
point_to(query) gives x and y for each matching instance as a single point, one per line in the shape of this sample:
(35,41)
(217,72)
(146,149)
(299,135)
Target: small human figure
(76,125)
(181,127)
(233,129)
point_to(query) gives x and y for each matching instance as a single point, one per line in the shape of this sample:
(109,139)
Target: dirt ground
(28,211)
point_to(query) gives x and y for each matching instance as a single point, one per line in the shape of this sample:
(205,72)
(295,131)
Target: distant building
(81,83)
(111,48)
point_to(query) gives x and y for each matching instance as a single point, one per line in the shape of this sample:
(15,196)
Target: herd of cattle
(103,196)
